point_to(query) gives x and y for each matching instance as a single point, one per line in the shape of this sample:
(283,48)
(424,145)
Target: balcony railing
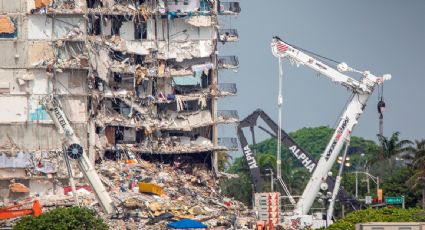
(227,88)
(230,143)
(228,35)
(227,116)
(228,62)
(229,8)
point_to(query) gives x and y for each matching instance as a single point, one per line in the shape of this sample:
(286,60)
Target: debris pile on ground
(188,191)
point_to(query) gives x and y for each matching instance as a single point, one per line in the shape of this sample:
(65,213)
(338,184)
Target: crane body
(361,91)
(77,152)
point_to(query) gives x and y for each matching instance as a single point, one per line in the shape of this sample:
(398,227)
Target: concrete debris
(199,21)
(18,187)
(189,191)
(226,37)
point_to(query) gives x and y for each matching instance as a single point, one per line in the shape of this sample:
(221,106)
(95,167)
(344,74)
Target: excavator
(302,156)
(320,170)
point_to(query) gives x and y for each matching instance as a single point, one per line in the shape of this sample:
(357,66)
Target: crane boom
(75,151)
(361,89)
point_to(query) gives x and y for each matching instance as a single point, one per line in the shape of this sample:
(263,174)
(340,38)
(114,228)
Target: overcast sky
(383,36)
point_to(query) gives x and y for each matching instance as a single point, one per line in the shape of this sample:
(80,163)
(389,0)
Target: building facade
(134,78)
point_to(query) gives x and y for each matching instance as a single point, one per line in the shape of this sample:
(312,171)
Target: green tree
(223,160)
(63,219)
(313,141)
(390,148)
(417,180)
(396,185)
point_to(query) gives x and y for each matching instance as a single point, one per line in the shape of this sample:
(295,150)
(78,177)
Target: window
(377,228)
(404,228)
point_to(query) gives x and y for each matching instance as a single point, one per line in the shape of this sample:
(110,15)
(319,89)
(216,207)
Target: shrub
(379,215)
(62,219)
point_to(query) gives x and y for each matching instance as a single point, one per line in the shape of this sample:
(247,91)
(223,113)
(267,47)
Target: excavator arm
(303,157)
(13,211)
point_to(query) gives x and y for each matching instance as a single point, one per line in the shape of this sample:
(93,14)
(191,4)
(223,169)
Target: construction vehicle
(13,211)
(302,156)
(75,151)
(361,90)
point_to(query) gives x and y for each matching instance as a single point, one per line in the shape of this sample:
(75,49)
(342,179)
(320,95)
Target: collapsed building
(134,77)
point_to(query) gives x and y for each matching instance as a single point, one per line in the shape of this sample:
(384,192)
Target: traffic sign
(368,199)
(393,199)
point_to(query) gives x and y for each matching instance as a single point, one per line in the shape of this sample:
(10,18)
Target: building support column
(92,140)
(214,90)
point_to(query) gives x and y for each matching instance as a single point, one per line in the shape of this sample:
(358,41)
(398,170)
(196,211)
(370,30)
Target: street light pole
(357,184)
(271,180)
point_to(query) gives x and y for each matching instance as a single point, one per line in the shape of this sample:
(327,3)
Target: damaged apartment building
(135,78)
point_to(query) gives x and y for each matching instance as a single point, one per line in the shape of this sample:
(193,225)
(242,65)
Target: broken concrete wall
(12,113)
(72,82)
(185,50)
(40,27)
(179,29)
(42,84)
(13,81)
(42,187)
(14,54)
(11,173)
(127,30)
(39,51)
(68,27)
(44,27)
(15,6)
(75,109)
(35,136)
(21,160)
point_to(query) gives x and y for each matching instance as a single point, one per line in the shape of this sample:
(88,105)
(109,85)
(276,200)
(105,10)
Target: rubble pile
(189,191)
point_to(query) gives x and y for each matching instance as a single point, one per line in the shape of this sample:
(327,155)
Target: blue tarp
(186,223)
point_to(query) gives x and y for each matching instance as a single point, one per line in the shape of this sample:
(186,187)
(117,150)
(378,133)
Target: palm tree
(417,181)
(223,160)
(391,148)
(266,160)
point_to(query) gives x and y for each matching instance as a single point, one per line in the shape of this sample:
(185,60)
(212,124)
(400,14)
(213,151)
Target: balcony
(228,35)
(231,143)
(227,89)
(229,8)
(227,116)
(228,62)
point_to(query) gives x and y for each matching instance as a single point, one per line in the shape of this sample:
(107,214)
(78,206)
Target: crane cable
(322,58)
(381,109)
